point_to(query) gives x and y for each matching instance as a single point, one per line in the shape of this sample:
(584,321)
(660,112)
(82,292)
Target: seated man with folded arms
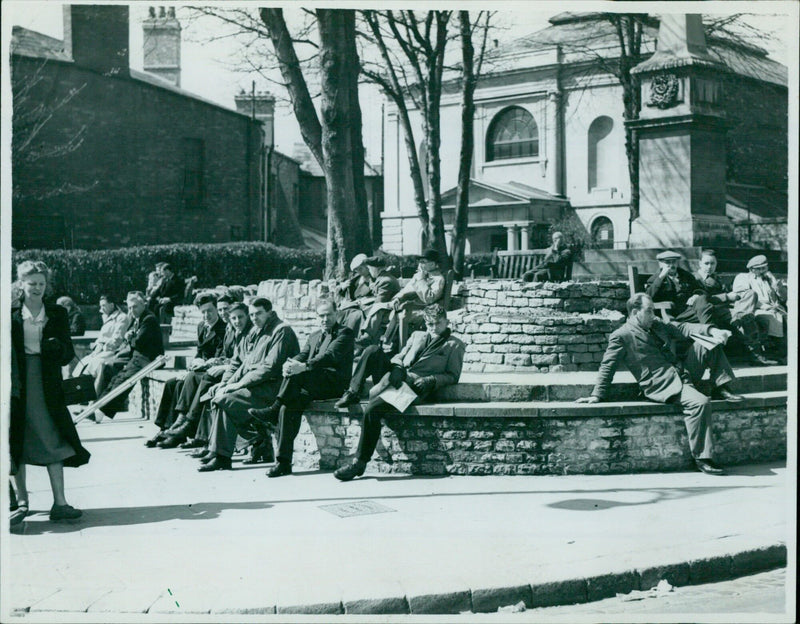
(668,364)
(731,310)
(110,338)
(431,360)
(321,371)
(142,345)
(255,381)
(771,300)
(236,343)
(553,267)
(179,391)
(424,288)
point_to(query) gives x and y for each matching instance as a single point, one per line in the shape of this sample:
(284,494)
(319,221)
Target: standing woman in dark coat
(42,432)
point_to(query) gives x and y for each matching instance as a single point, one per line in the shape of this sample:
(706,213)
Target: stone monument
(681,131)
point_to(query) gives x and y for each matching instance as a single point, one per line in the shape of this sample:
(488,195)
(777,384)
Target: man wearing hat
(425,288)
(732,310)
(771,297)
(553,267)
(384,287)
(672,283)
(351,291)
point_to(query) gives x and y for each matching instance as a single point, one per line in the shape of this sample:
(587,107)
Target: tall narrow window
(601,157)
(602,233)
(193,188)
(512,134)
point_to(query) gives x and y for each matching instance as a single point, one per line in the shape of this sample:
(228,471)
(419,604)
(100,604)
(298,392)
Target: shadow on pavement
(121,516)
(658,495)
(88,440)
(760,470)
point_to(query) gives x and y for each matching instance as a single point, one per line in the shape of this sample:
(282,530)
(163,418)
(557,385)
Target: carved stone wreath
(664,90)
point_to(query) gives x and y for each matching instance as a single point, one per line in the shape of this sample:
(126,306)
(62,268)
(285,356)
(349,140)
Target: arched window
(602,233)
(601,157)
(512,134)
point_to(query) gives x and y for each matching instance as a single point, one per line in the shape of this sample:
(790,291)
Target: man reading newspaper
(431,359)
(668,360)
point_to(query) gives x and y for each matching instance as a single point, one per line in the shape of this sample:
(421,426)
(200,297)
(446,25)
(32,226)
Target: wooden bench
(636,284)
(513,264)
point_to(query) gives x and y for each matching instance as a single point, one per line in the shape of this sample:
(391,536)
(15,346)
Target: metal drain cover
(356,508)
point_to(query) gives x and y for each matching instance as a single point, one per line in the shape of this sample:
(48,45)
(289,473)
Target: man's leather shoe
(199,453)
(269,414)
(170,441)
(760,360)
(180,421)
(217,462)
(279,470)
(207,457)
(726,395)
(348,473)
(260,452)
(348,398)
(152,442)
(708,466)
(193,443)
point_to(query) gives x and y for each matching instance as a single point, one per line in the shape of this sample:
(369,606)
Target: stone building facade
(550,133)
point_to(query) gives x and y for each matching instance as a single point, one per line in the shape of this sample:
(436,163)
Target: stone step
(619,269)
(561,409)
(742,254)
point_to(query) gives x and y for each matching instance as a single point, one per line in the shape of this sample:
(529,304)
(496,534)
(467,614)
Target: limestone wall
(507,326)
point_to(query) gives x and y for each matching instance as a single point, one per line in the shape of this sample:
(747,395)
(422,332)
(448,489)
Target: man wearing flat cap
(732,310)
(772,297)
(424,288)
(384,287)
(672,283)
(351,291)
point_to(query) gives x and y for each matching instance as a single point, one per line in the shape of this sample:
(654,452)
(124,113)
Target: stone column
(553,143)
(681,133)
(524,237)
(511,233)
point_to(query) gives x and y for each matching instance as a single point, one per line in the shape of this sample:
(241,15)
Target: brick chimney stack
(96,37)
(162,44)
(262,107)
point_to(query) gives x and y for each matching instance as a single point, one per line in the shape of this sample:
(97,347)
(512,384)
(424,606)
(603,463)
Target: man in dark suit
(553,267)
(142,345)
(384,286)
(430,360)
(732,310)
(176,399)
(252,378)
(321,371)
(668,365)
(166,295)
(672,283)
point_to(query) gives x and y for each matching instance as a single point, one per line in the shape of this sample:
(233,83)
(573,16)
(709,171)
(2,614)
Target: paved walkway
(159,537)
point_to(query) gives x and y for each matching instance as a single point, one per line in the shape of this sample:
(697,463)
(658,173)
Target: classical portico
(515,216)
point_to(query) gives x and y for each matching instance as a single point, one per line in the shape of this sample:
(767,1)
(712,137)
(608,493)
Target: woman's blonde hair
(31,267)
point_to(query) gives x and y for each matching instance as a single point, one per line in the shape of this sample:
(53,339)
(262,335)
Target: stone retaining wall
(555,440)
(506,325)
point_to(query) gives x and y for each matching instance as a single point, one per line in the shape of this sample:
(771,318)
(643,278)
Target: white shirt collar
(27,316)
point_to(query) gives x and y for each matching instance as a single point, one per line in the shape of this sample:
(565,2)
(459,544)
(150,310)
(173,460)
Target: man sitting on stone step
(676,285)
(772,296)
(668,364)
(431,360)
(377,308)
(351,291)
(176,399)
(322,370)
(255,381)
(732,310)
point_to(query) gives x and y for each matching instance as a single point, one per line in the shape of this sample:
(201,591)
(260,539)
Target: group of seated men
(250,377)
(754,308)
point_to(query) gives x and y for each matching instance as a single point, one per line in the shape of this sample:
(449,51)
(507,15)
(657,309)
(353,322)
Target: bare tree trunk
(342,149)
(468,83)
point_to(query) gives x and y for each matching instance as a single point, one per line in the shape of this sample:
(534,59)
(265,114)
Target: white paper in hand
(400,398)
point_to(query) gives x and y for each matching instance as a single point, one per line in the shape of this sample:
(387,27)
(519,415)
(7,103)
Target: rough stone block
(608,585)
(710,569)
(676,574)
(447,603)
(558,593)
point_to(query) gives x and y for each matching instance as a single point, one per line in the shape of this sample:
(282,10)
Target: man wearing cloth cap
(384,287)
(425,288)
(732,310)
(349,292)
(671,283)
(772,296)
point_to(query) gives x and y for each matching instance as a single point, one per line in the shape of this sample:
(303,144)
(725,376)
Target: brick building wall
(139,147)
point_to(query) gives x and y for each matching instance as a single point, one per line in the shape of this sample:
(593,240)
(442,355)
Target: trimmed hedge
(85,275)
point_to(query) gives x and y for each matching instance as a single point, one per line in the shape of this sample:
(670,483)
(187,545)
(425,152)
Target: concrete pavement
(158,537)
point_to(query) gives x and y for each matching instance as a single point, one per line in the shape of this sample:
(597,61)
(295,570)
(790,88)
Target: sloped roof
(33,44)
(585,36)
(484,193)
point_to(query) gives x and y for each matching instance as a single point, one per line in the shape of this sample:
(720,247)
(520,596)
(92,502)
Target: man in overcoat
(321,371)
(668,364)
